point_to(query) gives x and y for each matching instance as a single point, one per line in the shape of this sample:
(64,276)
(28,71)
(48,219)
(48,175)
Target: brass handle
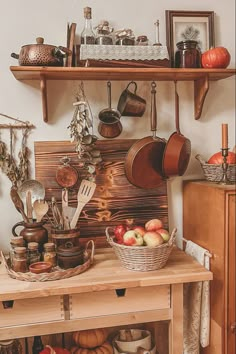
(233,327)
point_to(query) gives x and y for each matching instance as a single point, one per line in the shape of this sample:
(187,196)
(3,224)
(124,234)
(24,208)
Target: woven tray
(214,172)
(57,273)
(142,258)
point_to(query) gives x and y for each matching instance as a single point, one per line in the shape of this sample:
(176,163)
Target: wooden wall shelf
(201,78)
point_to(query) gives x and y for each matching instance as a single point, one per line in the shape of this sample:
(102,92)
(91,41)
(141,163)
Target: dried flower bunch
(190,33)
(17,172)
(80,127)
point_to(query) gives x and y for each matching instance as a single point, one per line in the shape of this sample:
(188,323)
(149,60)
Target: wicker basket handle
(200,159)
(109,238)
(172,237)
(90,243)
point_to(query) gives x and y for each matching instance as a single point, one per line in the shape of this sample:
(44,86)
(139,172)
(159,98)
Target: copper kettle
(41,54)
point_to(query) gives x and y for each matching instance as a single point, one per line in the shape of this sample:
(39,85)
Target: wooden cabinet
(209,220)
(200,77)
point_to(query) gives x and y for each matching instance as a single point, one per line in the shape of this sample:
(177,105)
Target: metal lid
(69,250)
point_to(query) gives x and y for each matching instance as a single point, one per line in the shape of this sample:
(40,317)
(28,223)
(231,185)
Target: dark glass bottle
(188,55)
(87,35)
(37,345)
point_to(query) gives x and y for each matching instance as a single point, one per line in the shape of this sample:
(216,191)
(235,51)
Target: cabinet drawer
(29,311)
(109,302)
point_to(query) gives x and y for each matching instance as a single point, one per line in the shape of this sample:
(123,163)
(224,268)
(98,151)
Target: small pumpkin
(217,158)
(90,338)
(105,348)
(218,58)
(54,350)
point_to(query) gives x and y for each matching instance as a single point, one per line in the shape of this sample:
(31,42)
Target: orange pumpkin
(217,57)
(105,348)
(90,338)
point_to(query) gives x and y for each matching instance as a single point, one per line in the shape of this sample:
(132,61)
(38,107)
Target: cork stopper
(17,241)
(87,12)
(20,250)
(33,246)
(49,246)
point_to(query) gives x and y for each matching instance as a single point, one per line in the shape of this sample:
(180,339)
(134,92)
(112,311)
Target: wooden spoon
(18,203)
(40,208)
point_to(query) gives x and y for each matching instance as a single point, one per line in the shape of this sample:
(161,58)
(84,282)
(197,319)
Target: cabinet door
(231,323)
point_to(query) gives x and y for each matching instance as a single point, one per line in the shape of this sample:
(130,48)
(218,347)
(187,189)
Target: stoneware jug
(32,232)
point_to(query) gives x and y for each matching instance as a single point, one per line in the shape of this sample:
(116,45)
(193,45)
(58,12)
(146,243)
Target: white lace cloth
(123,52)
(196,306)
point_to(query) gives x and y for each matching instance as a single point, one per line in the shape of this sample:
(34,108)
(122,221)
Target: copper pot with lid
(40,54)
(70,256)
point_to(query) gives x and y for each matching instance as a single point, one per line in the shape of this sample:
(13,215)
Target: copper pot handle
(14,55)
(21,223)
(135,86)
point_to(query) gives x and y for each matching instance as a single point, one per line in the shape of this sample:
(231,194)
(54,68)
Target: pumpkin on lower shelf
(53,350)
(90,338)
(105,348)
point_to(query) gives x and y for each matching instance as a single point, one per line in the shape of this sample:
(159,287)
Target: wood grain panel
(115,199)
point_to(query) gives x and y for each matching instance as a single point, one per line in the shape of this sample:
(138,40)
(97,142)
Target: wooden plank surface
(106,274)
(115,199)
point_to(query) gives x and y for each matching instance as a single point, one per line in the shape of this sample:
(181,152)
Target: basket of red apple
(141,248)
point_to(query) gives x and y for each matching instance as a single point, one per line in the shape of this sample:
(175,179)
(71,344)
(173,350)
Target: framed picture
(189,25)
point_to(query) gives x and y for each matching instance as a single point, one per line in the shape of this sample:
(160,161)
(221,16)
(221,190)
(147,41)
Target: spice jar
(142,40)
(49,254)
(15,242)
(19,262)
(188,55)
(33,252)
(12,346)
(70,256)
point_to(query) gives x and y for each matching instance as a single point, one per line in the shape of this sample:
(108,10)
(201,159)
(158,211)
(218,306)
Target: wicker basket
(142,258)
(214,173)
(56,273)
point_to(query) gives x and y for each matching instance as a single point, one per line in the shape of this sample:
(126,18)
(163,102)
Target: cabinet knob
(233,327)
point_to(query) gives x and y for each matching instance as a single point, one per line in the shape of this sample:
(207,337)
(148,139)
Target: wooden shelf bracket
(201,87)
(43,88)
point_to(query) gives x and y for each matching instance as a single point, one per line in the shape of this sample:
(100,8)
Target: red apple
(153,238)
(139,229)
(132,238)
(153,225)
(119,232)
(164,234)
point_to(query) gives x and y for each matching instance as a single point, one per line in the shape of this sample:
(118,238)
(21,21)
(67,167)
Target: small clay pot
(40,267)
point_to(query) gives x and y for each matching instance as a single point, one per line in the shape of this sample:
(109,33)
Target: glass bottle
(87,35)
(19,262)
(50,253)
(33,252)
(37,345)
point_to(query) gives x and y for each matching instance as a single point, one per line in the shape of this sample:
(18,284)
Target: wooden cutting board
(114,200)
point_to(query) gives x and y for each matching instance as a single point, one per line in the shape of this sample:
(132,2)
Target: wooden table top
(106,273)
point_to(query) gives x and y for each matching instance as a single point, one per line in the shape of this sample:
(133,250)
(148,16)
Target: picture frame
(195,25)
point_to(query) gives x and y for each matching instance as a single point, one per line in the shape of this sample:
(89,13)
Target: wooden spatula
(18,203)
(84,195)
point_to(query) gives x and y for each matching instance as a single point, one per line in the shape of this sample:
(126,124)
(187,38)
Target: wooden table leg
(176,323)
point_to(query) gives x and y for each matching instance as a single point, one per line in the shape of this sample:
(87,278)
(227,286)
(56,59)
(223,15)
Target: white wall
(22,21)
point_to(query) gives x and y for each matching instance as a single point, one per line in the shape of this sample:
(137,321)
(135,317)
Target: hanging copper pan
(178,148)
(143,161)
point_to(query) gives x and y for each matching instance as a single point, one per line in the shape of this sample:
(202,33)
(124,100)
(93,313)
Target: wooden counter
(91,299)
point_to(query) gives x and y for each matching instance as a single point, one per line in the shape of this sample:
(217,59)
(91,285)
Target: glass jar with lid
(15,242)
(33,252)
(12,346)
(19,262)
(142,40)
(188,54)
(49,254)
(104,34)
